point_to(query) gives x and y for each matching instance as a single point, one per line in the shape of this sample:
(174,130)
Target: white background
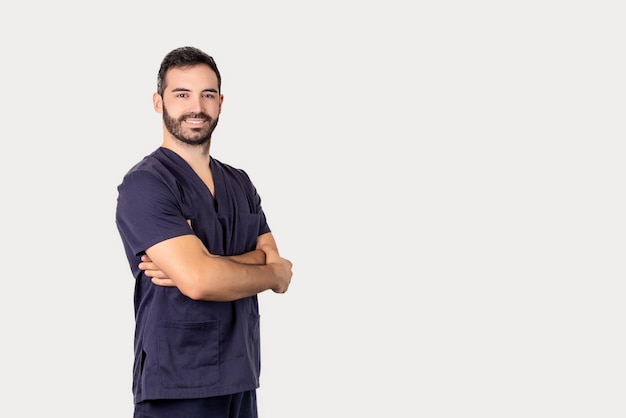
(446,176)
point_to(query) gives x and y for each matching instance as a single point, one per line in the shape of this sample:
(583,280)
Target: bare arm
(253,257)
(265,245)
(185,263)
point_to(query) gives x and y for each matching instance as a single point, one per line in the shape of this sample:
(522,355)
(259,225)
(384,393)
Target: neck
(197,156)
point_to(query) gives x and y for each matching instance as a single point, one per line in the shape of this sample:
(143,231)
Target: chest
(222,212)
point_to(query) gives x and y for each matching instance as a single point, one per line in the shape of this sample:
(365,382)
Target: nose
(195,104)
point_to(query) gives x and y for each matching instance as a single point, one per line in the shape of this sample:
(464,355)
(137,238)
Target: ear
(157,101)
(221,102)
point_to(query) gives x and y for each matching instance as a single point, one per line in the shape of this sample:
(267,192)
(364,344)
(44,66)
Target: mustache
(199,115)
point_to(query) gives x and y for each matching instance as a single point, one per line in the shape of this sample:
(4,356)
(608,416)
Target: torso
(207,177)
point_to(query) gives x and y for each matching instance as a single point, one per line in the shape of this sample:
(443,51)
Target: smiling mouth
(195,121)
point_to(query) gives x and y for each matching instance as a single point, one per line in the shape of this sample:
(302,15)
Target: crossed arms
(185,262)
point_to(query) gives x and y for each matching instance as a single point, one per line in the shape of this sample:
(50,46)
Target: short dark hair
(184,57)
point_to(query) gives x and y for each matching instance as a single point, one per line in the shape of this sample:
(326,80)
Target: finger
(147,265)
(163,282)
(155,273)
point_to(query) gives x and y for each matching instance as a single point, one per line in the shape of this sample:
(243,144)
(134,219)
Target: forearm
(223,279)
(265,244)
(184,262)
(253,257)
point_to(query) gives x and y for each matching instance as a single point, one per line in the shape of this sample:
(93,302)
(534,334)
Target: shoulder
(161,165)
(154,162)
(229,170)
(152,176)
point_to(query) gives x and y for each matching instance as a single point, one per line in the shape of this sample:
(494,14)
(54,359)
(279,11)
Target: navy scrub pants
(237,405)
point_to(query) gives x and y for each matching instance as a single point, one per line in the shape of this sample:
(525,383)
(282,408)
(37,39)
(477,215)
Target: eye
(181,95)
(209,95)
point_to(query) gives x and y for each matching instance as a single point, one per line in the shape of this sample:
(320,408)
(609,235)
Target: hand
(152,270)
(282,269)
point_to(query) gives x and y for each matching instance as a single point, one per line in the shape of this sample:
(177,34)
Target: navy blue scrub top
(186,348)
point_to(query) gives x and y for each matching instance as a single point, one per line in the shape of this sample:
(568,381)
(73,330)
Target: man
(200,249)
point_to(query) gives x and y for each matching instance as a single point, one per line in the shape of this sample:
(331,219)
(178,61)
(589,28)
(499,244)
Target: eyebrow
(183,89)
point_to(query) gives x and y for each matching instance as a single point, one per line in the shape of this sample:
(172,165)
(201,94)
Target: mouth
(195,121)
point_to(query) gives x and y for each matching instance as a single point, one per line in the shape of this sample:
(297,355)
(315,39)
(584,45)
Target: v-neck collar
(191,174)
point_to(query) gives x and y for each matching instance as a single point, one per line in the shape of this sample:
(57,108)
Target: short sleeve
(148,211)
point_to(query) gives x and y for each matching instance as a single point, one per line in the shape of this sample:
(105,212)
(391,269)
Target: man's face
(191,104)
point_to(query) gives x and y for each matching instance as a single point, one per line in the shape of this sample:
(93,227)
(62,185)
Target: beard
(194,136)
